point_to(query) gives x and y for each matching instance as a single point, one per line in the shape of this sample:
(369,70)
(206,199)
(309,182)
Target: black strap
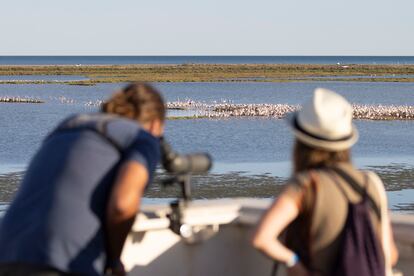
(274,268)
(335,179)
(361,190)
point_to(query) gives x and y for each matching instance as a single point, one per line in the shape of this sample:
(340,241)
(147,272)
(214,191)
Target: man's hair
(137,101)
(306,157)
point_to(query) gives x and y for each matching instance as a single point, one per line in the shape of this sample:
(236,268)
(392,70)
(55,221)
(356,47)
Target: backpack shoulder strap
(335,177)
(75,124)
(361,190)
(102,130)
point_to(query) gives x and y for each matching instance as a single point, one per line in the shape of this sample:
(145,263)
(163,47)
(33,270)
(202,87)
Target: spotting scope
(182,166)
(176,163)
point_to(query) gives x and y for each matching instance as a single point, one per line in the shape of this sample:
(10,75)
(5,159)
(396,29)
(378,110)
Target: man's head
(140,102)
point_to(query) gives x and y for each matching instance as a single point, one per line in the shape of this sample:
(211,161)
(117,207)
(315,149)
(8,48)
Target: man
(81,192)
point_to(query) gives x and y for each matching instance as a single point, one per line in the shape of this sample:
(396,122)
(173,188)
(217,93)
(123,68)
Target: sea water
(251,155)
(99,60)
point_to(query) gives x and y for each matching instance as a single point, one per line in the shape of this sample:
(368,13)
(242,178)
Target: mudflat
(211,73)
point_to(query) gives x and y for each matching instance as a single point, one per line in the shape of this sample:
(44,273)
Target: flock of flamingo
(227,109)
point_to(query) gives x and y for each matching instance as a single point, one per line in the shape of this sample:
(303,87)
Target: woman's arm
(283,211)
(391,242)
(385,231)
(122,208)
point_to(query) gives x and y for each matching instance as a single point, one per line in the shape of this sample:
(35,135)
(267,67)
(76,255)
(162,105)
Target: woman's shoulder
(376,188)
(299,180)
(305,178)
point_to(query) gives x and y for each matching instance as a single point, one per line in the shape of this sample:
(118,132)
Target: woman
(313,208)
(81,192)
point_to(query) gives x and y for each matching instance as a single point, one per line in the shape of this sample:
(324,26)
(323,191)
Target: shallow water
(397,178)
(251,154)
(289,93)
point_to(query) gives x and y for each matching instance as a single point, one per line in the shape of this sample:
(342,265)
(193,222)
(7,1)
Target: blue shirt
(57,217)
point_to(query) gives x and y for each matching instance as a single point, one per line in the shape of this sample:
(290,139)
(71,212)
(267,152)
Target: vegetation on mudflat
(214,73)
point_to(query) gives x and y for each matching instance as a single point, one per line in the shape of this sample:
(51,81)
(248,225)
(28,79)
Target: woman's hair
(306,157)
(137,101)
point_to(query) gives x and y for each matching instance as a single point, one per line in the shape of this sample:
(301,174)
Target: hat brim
(321,143)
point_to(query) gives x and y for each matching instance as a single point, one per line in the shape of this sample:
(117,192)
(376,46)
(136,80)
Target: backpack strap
(335,179)
(356,187)
(75,124)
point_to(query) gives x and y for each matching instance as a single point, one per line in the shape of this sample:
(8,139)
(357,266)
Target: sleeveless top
(316,233)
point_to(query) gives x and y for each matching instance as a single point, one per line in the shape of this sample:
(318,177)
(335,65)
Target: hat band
(298,127)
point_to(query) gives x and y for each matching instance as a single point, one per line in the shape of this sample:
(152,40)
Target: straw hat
(325,122)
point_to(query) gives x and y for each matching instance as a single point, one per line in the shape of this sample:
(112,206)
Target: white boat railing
(215,240)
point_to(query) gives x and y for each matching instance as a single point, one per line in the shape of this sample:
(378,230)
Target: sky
(209,27)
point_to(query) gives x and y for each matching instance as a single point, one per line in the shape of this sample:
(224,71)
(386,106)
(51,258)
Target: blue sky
(209,27)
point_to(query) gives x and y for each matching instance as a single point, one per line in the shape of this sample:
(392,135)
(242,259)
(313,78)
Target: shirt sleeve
(145,150)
